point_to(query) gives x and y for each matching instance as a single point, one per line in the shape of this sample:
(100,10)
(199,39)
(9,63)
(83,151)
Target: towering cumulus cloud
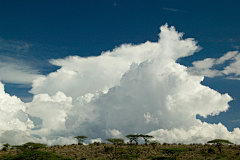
(131,89)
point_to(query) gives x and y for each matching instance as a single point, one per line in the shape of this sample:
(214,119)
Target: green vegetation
(115,141)
(133,137)
(80,139)
(34,155)
(145,137)
(154,144)
(173,152)
(5,147)
(30,146)
(30,151)
(118,150)
(219,143)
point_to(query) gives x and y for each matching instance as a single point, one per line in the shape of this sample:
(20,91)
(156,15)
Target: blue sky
(34,32)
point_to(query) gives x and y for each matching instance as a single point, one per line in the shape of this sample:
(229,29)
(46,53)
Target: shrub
(34,155)
(4,149)
(96,143)
(108,149)
(159,158)
(30,145)
(211,151)
(126,156)
(174,152)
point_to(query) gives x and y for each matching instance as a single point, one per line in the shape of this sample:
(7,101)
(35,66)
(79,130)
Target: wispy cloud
(115,4)
(14,65)
(236,47)
(13,47)
(174,10)
(238,120)
(206,67)
(16,71)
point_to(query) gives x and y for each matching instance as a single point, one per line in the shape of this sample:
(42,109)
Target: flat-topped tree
(133,137)
(6,146)
(146,137)
(219,142)
(115,141)
(80,139)
(30,145)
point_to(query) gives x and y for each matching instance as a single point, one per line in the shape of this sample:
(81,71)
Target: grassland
(103,151)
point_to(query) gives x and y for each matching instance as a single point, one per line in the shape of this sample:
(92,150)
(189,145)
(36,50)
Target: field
(104,151)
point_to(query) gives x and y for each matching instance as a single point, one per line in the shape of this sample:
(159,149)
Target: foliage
(159,158)
(96,143)
(126,156)
(154,144)
(104,151)
(115,141)
(222,157)
(204,153)
(219,142)
(80,139)
(7,145)
(30,145)
(145,137)
(108,149)
(34,155)
(211,151)
(133,137)
(4,149)
(174,152)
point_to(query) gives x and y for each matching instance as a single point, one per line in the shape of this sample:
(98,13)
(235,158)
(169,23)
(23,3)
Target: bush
(108,149)
(96,143)
(222,156)
(4,149)
(34,155)
(159,158)
(126,156)
(30,146)
(211,151)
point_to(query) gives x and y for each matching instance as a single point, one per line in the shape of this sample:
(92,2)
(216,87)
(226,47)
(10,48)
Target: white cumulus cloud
(131,89)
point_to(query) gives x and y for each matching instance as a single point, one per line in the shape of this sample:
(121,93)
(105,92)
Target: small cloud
(238,120)
(206,67)
(174,10)
(236,47)
(115,4)
(233,78)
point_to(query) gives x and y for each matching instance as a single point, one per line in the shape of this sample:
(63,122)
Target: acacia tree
(6,146)
(30,146)
(133,137)
(80,139)
(145,137)
(115,141)
(219,143)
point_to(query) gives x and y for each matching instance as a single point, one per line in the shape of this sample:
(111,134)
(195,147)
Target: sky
(109,68)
